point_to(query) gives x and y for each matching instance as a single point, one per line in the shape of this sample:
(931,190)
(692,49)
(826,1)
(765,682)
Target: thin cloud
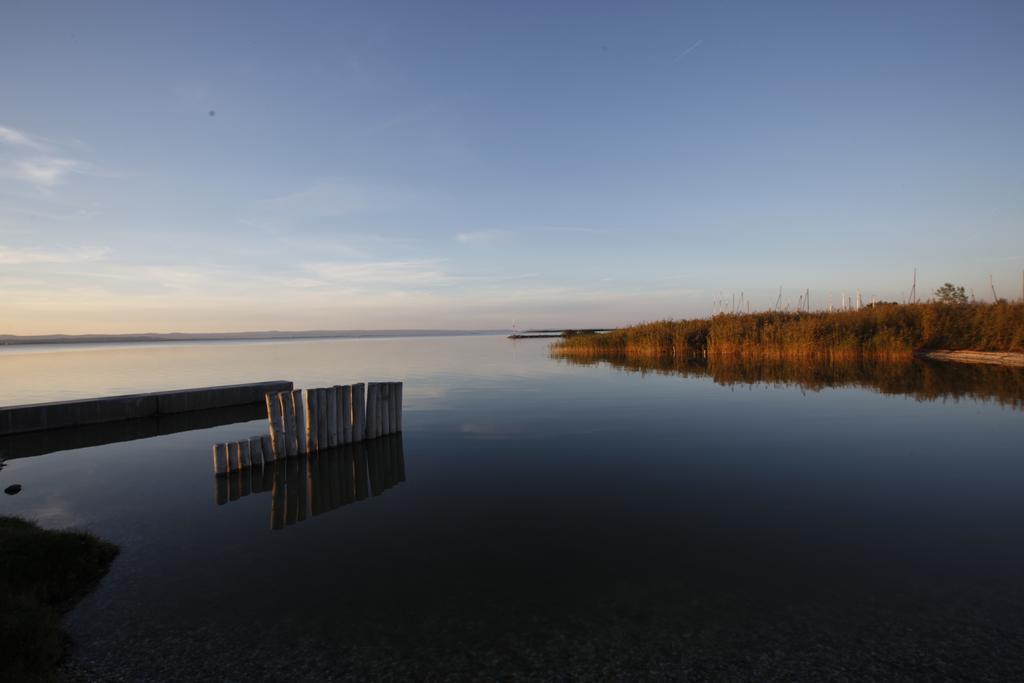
(45,171)
(11,136)
(481,236)
(689,50)
(35,160)
(18,257)
(395,273)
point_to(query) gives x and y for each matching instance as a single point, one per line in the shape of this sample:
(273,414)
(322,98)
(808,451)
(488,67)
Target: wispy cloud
(481,236)
(395,273)
(11,136)
(35,160)
(689,49)
(16,257)
(46,171)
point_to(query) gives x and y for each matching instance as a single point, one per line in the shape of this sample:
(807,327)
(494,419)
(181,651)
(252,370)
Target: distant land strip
(13,339)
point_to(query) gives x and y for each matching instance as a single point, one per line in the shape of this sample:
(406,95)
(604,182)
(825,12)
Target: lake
(540,519)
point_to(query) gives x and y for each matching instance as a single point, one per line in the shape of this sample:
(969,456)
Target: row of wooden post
(306,421)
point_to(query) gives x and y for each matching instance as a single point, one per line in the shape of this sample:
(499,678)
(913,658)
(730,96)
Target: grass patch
(42,575)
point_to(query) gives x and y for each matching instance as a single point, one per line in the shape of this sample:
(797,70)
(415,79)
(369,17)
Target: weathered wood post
(371,410)
(385,408)
(300,420)
(220,459)
(333,413)
(243,451)
(312,443)
(400,388)
(268,448)
(321,419)
(358,412)
(394,406)
(256,450)
(234,457)
(288,408)
(276,419)
(346,414)
(397,420)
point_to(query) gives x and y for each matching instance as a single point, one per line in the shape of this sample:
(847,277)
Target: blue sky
(464,165)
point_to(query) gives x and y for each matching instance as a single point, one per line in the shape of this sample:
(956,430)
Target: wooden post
(268,448)
(321,419)
(256,450)
(358,412)
(291,441)
(220,459)
(398,402)
(333,413)
(346,414)
(243,451)
(371,410)
(234,457)
(300,420)
(276,419)
(312,443)
(385,408)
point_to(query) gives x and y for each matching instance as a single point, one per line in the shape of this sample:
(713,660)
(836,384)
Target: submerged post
(358,412)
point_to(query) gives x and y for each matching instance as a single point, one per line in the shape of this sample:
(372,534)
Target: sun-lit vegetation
(879,331)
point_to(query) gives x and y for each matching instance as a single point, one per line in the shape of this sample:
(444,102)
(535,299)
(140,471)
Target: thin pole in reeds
(992,285)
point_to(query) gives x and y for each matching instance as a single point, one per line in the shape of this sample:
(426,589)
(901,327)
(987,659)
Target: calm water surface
(544,519)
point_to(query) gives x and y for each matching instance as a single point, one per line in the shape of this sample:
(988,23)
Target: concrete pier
(43,416)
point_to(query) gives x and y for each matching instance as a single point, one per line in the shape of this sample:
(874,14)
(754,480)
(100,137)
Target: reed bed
(886,331)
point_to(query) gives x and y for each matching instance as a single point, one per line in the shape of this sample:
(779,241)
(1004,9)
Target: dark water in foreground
(543,519)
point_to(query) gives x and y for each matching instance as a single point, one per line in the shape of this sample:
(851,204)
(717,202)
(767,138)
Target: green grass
(42,575)
(882,331)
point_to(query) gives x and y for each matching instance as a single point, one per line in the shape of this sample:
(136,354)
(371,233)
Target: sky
(219,166)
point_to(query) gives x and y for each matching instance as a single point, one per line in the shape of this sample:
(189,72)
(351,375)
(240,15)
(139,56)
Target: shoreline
(1005,358)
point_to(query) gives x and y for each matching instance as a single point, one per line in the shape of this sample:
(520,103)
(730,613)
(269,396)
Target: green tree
(950,294)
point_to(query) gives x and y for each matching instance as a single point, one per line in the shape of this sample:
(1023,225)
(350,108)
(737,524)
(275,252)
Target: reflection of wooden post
(359,468)
(346,414)
(358,412)
(303,487)
(220,459)
(234,485)
(333,412)
(311,441)
(321,418)
(222,488)
(291,441)
(398,402)
(300,420)
(276,419)
(371,410)
(277,502)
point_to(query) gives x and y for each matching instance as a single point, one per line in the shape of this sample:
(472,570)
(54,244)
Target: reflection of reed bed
(924,380)
(886,331)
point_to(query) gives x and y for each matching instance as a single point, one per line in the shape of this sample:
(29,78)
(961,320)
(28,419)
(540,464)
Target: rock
(12,489)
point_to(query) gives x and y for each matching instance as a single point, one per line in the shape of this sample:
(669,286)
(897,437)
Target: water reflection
(924,380)
(315,483)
